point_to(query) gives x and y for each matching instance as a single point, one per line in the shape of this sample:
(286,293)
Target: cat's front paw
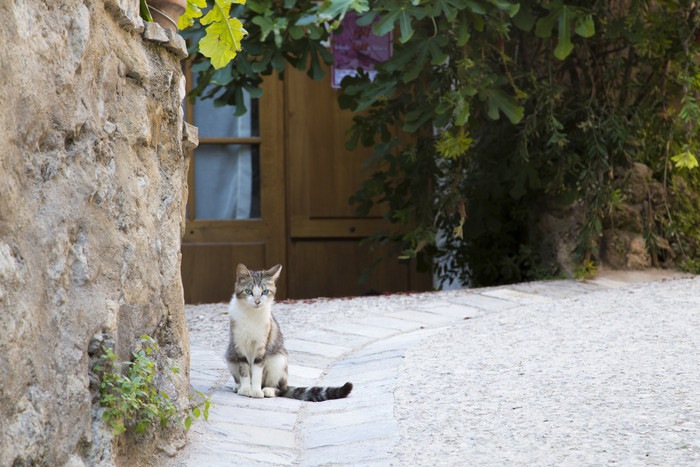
(251,392)
(269,392)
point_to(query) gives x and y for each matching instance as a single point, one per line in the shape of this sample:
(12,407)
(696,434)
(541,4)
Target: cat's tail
(316,393)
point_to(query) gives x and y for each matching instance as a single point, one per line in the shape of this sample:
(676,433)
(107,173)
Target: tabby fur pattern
(256,356)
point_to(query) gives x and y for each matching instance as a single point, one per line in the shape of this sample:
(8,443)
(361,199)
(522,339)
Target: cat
(256,356)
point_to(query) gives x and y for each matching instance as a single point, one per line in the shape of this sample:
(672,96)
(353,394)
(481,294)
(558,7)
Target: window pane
(227,181)
(219,122)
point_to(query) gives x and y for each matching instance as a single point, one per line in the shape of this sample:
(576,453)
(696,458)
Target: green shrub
(130,395)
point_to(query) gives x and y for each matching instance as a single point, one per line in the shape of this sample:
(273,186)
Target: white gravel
(609,378)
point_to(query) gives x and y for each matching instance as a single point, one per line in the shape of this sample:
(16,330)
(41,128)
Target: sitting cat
(256,355)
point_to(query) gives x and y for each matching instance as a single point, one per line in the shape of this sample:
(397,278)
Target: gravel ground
(610,378)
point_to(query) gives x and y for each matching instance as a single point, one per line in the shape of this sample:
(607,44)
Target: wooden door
(324,252)
(236,202)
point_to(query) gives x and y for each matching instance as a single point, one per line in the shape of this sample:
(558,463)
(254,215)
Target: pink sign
(357,47)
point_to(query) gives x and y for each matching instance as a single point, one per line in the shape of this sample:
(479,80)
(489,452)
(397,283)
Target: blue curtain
(225,175)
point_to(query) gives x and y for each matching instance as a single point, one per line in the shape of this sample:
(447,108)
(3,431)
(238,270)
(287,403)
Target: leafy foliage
(278,33)
(223,34)
(132,398)
(491,112)
(581,87)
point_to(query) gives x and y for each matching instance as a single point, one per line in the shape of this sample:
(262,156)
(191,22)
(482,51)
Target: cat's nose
(257,301)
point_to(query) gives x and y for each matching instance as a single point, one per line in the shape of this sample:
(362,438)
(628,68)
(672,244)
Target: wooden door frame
(270,229)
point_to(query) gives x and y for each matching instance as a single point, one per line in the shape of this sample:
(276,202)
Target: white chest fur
(251,327)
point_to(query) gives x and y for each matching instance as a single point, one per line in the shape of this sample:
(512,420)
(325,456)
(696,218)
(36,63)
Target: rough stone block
(127,14)
(190,136)
(176,44)
(153,32)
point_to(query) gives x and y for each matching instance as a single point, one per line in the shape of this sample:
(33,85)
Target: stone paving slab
(315,348)
(522,298)
(383,352)
(361,330)
(426,318)
(453,311)
(483,302)
(326,336)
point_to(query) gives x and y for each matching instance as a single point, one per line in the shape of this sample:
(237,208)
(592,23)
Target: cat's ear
(274,272)
(242,271)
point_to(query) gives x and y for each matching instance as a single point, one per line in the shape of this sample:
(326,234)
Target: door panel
(221,230)
(209,269)
(324,252)
(331,267)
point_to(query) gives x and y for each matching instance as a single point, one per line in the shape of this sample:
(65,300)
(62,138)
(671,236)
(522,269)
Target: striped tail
(316,393)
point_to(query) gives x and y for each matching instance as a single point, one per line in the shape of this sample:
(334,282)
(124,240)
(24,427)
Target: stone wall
(625,226)
(92,193)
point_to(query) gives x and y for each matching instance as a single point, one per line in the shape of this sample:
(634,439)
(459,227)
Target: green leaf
(497,100)
(510,8)
(296,32)
(524,20)
(220,12)
(462,33)
(222,42)
(461,113)
(405,27)
(564,45)
(334,9)
(476,7)
(437,53)
(223,76)
(267,26)
(146,13)
(446,8)
(255,93)
(414,68)
(188,422)
(544,26)
(415,119)
(306,20)
(585,27)
(386,23)
(367,18)
(258,6)
(196,412)
(685,160)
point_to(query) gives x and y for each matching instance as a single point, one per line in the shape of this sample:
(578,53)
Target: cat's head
(256,288)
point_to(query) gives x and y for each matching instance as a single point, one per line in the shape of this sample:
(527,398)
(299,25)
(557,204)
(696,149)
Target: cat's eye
(248,291)
(265,292)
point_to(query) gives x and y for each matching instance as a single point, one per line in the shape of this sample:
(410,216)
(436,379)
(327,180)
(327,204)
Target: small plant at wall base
(131,397)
